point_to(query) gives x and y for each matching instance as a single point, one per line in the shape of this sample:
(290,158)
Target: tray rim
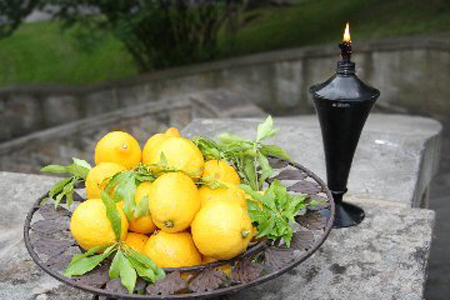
(219,292)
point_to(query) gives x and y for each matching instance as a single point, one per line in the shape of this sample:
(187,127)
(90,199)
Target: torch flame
(347,37)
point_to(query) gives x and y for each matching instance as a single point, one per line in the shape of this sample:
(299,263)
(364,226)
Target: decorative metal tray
(50,244)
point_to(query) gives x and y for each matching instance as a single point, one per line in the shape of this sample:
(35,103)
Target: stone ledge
(385,257)
(389,249)
(395,160)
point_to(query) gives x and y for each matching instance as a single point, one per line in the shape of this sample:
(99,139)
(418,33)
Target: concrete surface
(385,257)
(438,283)
(395,160)
(389,248)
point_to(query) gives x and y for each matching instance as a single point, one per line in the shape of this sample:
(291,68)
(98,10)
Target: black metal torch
(343,104)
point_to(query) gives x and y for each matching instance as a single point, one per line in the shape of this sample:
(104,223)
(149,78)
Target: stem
(255,148)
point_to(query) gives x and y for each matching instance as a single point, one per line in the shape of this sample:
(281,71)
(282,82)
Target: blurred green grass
(40,53)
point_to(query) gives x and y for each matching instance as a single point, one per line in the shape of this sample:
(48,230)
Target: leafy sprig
(65,187)
(248,157)
(127,263)
(274,210)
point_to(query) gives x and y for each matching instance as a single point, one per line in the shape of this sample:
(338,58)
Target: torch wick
(346,50)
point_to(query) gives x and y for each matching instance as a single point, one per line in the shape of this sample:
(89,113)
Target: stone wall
(412,74)
(59,144)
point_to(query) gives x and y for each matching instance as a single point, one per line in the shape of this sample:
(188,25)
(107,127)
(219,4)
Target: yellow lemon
(136,241)
(173,201)
(230,193)
(172,250)
(143,224)
(221,230)
(172,131)
(91,227)
(118,147)
(221,171)
(181,154)
(154,141)
(96,179)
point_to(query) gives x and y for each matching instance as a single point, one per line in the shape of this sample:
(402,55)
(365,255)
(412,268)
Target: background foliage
(93,49)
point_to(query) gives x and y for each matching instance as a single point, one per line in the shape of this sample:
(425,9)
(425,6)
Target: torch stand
(343,104)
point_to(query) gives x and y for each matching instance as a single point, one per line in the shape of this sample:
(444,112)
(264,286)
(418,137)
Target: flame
(347,37)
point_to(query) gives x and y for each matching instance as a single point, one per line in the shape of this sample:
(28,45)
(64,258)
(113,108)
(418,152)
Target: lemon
(221,171)
(172,250)
(230,193)
(143,224)
(91,227)
(136,241)
(172,131)
(118,147)
(221,230)
(154,141)
(181,154)
(96,179)
(173,201)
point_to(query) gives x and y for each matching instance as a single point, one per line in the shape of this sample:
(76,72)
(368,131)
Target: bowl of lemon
(177,217)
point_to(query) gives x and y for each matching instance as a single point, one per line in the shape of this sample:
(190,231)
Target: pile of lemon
(187,225)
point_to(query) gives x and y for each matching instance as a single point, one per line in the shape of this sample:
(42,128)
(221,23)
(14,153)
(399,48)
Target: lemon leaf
(145,261)
(81,163)
(265,130)
(85,264)
(142,208)
(250,172)
(163,159)
(128,275)
(143,272)
(112,213)
(266,169)
(114,269)
(92,251)
(274,150)
(54,169)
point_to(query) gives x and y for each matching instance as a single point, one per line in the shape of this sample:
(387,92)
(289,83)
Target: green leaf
(128,275)
(211,183)
(81,163)
(68,192)
(114,269)
(124,185)
(250,172)
(142,208)
(163,159)
(274,150)
(143,271)
(78,171)
(265,130)
(105,248)
(58,187)
(85,264)
(278,210)
(112,213)
(228,138)
(145,260)
(54,169)
(266,169)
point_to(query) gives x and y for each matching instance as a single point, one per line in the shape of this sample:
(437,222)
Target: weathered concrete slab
(395,161)
(17,193)
(22,279)
(385,257)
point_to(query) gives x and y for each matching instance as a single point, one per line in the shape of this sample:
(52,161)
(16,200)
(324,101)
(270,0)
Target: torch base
(347,215)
